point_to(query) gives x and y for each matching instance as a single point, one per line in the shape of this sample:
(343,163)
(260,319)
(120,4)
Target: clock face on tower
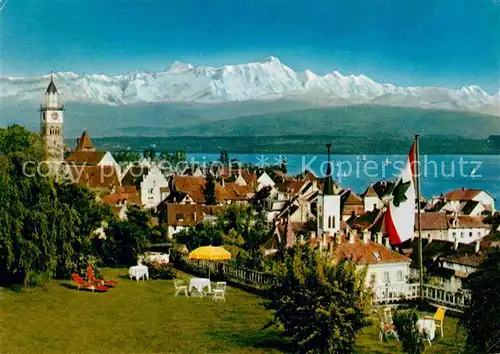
(54,116)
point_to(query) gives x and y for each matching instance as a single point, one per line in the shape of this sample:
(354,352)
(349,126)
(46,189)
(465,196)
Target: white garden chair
(179,286)
(195,292)
(220,291)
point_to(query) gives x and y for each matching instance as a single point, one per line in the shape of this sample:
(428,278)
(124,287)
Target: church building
(51,124)
(328,205)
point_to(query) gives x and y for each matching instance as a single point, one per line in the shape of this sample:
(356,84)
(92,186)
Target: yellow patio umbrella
(210,253)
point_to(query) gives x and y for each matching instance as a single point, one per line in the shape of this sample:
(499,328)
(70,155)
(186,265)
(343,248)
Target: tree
(224,157)
(177,157)
(44,224)
(126,156)
(480,319)
(239,228)
(321,306)
(283,166)
(412,339)
(125,239)
(210,196)
(150,154)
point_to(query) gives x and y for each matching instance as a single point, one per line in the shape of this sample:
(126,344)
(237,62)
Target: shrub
(320,306)
(161,271)
(33,279)
(412,339)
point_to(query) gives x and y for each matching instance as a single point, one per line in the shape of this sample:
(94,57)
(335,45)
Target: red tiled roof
(121,194)
(94,176)
(370,192)
(365,253)
(184,214)
(353,209)
(468,221)
(432,221)
(462,194)
(125,189)
(233,191)
(291,186)
(353,199)
(250,178)
(195,188)
(84,143)
(91,158)
(367,220)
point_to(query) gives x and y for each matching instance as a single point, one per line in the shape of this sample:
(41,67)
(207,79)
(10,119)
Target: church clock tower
(51,124)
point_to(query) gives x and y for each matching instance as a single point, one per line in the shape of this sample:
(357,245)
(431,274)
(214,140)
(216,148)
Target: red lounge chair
(92,279)
(82,284)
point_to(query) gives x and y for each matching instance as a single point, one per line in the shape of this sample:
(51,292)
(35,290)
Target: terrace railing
(239,275)
(455,300)
(389,294)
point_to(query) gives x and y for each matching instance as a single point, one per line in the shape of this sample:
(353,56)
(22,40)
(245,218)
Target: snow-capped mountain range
(266,79)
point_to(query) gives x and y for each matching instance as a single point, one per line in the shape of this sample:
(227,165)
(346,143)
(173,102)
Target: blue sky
(406,42)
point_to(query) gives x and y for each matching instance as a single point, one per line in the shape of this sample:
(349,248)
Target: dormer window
(377,256)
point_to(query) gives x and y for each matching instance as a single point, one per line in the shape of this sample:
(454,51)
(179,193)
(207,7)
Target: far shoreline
(303,144)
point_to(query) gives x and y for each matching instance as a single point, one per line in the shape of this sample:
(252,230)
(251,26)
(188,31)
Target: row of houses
(302,208)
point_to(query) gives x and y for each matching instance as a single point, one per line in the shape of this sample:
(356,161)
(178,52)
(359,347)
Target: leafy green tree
(480,320)
(210,196)
(412,339)
(239,228)
(203,234)
(125,239)
(44,224)
(175,158)
(149,153)
(320,306)
(284,166)
(126,156)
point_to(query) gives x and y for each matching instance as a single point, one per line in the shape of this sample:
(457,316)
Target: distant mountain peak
(266,79)
(178,66)
(270,59)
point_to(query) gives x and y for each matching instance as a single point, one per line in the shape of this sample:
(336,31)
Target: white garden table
(200,284)
(138,272)
(157,257)
(428,326)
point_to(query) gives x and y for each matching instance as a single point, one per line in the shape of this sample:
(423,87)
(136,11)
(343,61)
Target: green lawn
(145,317)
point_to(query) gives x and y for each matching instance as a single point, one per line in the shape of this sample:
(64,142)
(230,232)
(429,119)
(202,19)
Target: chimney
(379,236)
(338,237)
(352,237)
(366,236)
(477,246)
(387,243)
(330,246)
(455,245)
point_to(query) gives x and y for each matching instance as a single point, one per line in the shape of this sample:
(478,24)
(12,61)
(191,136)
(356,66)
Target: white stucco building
(462,229)
(149,181)
(385,267)
(371,199)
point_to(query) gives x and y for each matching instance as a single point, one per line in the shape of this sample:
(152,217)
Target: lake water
(440,173)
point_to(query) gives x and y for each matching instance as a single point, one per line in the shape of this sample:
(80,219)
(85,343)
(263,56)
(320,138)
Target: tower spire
(51,89)
(328,185)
